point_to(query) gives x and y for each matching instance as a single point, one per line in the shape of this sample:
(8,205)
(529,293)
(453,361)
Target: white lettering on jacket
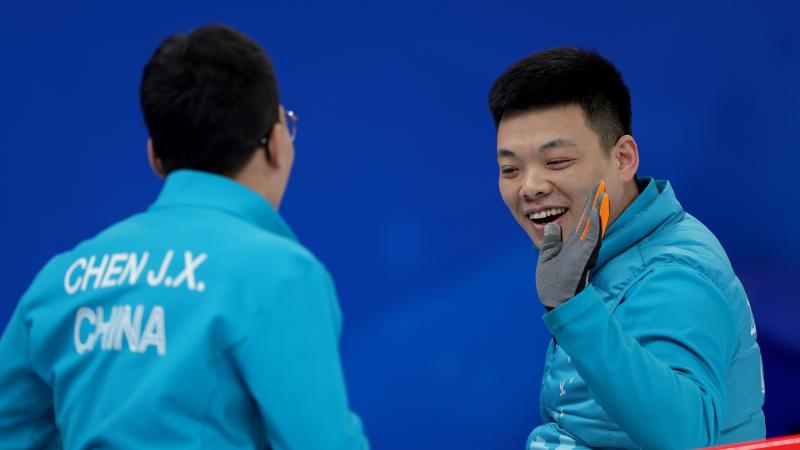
(124,322)
(117,269)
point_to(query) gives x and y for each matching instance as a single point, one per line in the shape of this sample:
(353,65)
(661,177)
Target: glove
(563,268)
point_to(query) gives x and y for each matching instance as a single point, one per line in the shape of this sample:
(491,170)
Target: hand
(563,268)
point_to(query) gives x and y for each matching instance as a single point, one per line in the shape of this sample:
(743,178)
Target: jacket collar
(192,188)
(655,206)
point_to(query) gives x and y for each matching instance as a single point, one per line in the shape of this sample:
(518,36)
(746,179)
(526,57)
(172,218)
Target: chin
(532,237)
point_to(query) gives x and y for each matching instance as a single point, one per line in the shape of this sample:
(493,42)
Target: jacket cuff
(573,310)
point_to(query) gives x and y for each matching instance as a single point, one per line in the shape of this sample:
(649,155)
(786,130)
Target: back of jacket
(201,323)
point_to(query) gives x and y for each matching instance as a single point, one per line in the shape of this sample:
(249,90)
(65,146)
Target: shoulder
(271,255)
(235,247)
(686,242)
(684,260)
(676,296)
(225,252)
(48,281)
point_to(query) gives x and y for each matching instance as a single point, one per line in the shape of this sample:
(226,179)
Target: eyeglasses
(291,123)
(291,126)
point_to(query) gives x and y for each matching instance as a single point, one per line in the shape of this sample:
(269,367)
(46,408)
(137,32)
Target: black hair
(208,98)
(563,76)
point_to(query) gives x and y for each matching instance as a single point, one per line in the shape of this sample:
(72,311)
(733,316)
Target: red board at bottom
(782,443)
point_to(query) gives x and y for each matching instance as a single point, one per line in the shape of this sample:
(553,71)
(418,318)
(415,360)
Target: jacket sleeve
(27,419)
(657,366)
(290,361)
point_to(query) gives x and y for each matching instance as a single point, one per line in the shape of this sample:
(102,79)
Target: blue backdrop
(395,183)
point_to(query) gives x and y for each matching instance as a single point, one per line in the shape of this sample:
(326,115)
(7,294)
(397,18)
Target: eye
(508,171)
(559,163)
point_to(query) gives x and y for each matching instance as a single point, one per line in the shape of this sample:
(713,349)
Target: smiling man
(654,344)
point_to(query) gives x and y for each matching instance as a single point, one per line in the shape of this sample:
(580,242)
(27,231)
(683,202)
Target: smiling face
(549,160)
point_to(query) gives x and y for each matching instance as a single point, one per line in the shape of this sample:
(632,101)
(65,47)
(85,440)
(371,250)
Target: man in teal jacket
(202,322)
(654,344)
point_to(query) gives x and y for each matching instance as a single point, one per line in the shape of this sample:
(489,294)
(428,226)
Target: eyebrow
(555,143)
(506,153)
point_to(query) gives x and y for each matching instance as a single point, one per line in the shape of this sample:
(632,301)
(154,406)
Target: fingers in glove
(551,242)
(593,230)
(600,187)
(595,227)
(596,190)
(604,210)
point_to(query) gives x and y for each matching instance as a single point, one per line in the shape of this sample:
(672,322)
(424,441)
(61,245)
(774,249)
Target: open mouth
(547,216)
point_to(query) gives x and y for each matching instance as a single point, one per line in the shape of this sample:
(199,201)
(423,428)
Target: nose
(534,186)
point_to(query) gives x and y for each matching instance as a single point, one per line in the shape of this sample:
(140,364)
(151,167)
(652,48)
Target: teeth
(546,213)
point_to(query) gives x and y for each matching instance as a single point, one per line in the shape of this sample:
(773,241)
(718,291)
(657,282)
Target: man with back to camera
(202,322)
(654,344)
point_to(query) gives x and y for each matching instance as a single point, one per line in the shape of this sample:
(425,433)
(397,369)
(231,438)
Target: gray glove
(563,268)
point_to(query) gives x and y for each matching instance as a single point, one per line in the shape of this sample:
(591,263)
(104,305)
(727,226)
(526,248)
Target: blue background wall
(395,181)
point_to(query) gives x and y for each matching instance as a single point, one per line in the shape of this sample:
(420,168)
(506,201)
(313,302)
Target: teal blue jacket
(660,351)
(201,323)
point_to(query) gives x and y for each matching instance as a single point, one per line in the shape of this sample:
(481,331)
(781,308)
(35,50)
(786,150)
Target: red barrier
(783,443)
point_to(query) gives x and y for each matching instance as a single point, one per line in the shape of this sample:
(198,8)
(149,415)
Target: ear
(155,162)
(626,153)
(276,157)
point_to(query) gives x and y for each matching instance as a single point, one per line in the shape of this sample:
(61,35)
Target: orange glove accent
(603,210)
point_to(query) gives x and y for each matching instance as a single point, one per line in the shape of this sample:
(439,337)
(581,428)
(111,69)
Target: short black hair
(563,76)
(208,97)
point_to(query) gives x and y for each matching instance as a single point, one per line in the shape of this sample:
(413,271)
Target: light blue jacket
(201,323)
(660,351)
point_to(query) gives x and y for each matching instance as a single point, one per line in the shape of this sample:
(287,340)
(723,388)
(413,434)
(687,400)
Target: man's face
(549,161)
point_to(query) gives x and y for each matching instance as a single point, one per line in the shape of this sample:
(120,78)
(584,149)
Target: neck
(261,185)
(262,178)
(630,192)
